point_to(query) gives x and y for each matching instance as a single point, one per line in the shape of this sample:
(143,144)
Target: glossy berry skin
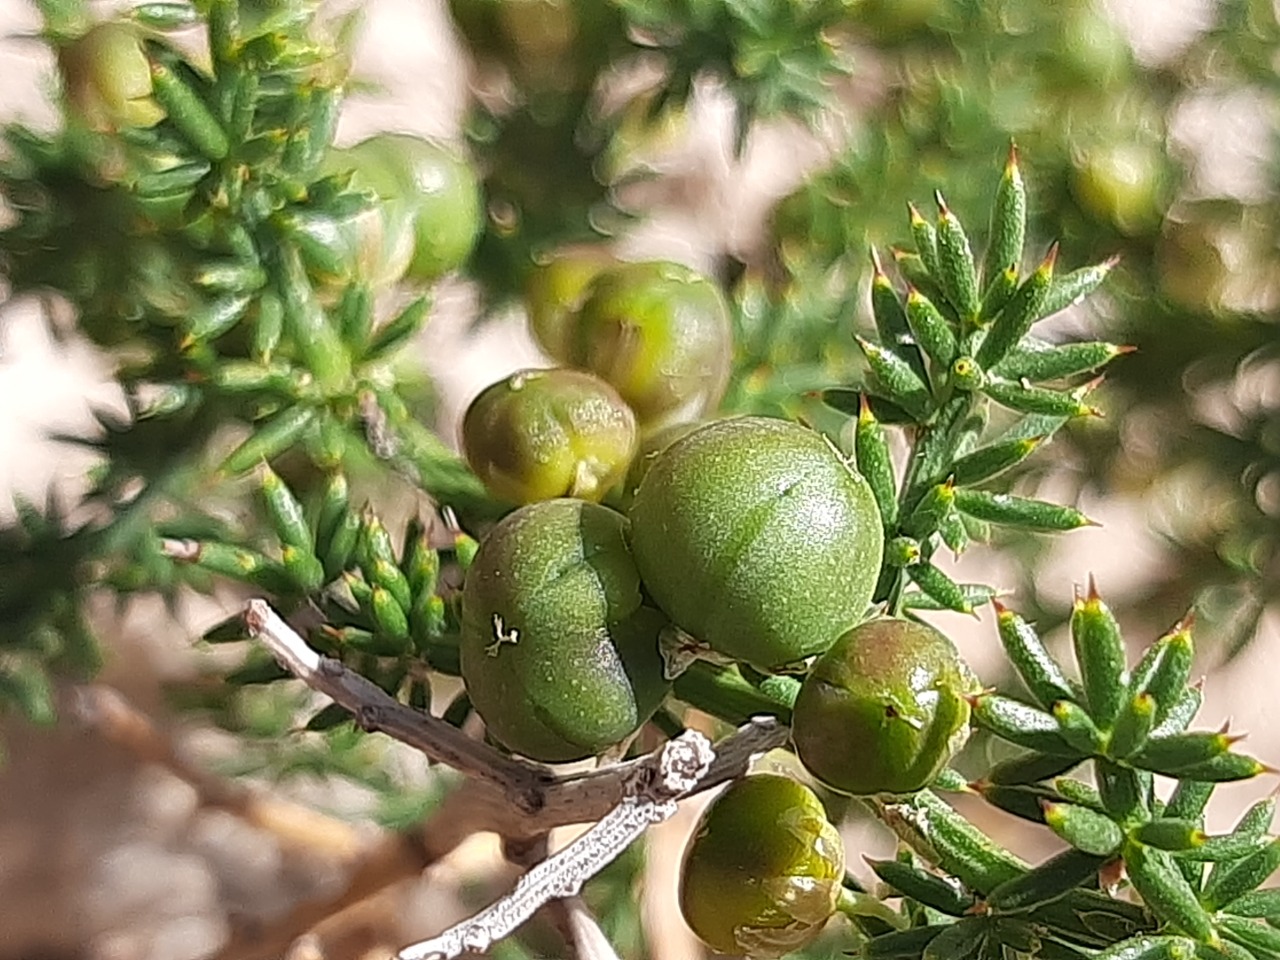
(757,538)
(541,434)
(559,654)
(884,709)
(1121,183)
(555,292)
(426,188)
(660,333)
(763,872)
(652,446)
(108,78)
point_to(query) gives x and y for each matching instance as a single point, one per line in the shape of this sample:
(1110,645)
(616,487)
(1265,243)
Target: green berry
(651,447)
(756,537)
(426,188)
(555,292)
(884,709)
(660,333)
(558,652)
(108,78)
(541,434)
(762,874)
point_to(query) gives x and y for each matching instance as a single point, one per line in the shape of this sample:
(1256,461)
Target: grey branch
(523,801)
(652,789)
(374,709)
(538,800)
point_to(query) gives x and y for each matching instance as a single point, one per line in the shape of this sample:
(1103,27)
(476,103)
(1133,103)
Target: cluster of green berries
(748,539)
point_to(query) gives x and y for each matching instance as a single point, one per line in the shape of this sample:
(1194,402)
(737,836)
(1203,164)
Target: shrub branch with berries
(618,550)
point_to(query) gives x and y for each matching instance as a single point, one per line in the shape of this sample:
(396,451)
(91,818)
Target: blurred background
(154,825)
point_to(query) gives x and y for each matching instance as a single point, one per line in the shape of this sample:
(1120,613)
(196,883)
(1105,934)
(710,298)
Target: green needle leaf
(1036,361)
(926,241)
(998,292)
(1085,829)
(1008,221)
(269,440)
(1226,768)
(956,271)
(1021,724)
(1133,725)
(1049,881)
(1188,800)
(188,113)
(1028,399)
(958,942)
(930,511)
(1125,793)
(1169,755)
(1018,315)
(1030,768)
(975,593)
(1260,939)
(1260,904)
(238,563)
(871,452)
(316,339)
(1077,727)
(1228,882)
(1165,668)
(214,318)
(932,331)
(1006,509)
(403,326)
(933,891)
(1257,819)
(285,512)
(954,844)
(1075,286)
(1180,714)
(891,320)
(954,533)
(898,379)
(1100,653)
(1164,889)
(1170,834)
(390,617)
(989,462)
(949,594)
(1022,800)
(1039,671)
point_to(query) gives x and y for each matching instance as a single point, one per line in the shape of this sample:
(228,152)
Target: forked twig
(651,793)
(537,799)
(514,798)
(375,709)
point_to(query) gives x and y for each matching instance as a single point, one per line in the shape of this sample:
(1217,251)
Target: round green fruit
(762,874)
(541,434)
(429,191)
(660,333)
(652,446)
(757,538)
(555,292)
(559,654)
(883,710)
(1121,182)
(108,78)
